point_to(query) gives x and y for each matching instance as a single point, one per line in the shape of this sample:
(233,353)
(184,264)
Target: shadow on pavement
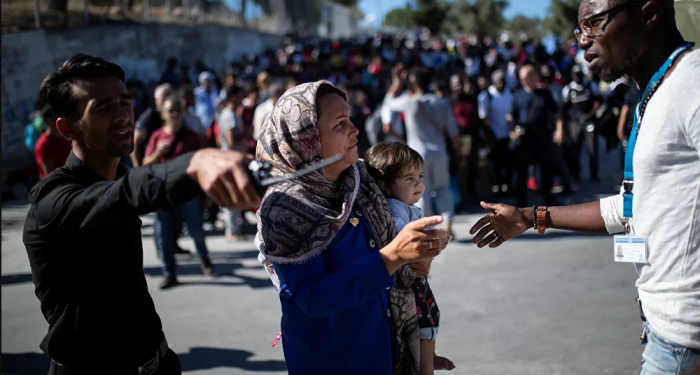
(16,279)
(25,364)
(529,236)
(199,358)
(226,265)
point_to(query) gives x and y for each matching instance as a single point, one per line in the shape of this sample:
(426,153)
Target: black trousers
(577,135)
(535,148)
(169,365)
(502,163)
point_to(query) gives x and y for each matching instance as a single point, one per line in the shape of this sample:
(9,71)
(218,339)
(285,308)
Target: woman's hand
(414,244)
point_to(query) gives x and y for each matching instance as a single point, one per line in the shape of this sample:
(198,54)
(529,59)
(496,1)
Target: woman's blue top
(335,309)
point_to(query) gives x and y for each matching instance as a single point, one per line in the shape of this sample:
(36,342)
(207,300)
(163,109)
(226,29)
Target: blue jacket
(335,309)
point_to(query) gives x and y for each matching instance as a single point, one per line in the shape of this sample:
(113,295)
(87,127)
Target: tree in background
(476,16)
(562,17)
(460,17)
(430,14)
(522,24)
(399,17)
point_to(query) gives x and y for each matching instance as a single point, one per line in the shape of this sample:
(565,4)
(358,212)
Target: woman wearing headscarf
(328,241)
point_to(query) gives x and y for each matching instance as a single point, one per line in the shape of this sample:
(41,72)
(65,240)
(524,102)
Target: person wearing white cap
(206,99)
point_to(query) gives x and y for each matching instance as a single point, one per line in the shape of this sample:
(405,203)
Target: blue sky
(527,7)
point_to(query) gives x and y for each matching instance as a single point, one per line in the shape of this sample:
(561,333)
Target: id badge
(630,249)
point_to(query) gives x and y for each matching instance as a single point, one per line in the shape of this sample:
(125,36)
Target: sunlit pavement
(552,305)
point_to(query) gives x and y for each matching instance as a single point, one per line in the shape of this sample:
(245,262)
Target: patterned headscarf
(298,219)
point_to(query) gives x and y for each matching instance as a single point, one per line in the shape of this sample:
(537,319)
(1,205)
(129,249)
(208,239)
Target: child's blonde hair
(386,162)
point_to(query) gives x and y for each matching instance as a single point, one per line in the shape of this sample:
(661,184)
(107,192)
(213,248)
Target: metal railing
(23,15)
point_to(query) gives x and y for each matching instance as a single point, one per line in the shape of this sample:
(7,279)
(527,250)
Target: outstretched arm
(507,222)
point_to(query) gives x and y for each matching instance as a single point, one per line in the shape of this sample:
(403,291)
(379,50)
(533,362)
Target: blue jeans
(436,175)
(664,357)
(166,222)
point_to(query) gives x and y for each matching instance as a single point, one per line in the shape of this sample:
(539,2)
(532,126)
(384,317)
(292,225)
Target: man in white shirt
(495,108)
(392,123)
(429,120)
(231,128)
(264,109)
(637,39)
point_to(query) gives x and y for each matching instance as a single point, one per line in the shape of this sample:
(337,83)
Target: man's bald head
(529,77)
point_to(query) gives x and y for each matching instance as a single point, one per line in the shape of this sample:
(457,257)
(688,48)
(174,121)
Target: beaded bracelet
(534,217)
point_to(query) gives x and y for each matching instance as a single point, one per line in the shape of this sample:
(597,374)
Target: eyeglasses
(593,26)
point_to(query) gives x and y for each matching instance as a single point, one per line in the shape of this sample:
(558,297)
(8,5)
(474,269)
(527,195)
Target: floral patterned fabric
(298,219)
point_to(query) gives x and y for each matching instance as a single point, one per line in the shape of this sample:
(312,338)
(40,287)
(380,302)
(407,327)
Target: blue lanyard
(628,182)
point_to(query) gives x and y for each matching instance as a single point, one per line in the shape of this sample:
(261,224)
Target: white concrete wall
(338,22)
(141,50)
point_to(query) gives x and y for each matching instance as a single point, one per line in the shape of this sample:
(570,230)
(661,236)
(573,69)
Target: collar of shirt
(86,173)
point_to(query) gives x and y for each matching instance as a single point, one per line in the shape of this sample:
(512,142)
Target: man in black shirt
(83,232)
(581,100)
(534,111)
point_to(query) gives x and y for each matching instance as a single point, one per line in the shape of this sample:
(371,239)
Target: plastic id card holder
(630,249)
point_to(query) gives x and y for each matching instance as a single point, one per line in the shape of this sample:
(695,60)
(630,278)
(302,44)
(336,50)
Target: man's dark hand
(502,224)
(223,176)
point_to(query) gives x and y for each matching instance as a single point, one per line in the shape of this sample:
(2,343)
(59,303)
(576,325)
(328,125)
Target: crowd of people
(348,246)
(479,111)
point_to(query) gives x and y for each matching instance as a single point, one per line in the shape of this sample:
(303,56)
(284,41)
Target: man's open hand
(503,223)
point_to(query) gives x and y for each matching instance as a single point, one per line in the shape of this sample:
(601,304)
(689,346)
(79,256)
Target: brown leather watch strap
(541,219)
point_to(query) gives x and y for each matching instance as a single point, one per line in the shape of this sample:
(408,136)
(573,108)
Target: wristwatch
(541,219)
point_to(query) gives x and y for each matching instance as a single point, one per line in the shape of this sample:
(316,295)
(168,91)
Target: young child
(398,170)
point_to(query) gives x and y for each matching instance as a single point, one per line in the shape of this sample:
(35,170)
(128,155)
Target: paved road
(557,305)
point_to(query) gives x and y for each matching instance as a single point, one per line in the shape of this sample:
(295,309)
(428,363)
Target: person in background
(534,110)
(51,150)
(558,162)
(495,109)
(206,99)
(167,143)
(172,74)
(359,111)
(549,82)
(231,138)
(626,119)
(264,109)
(190,120)
(34,129)
(263,82)
(392,121)
(138,91)
(429,120)
(466,113)
(581,100)
(150,121)
(246,111)
(230,79)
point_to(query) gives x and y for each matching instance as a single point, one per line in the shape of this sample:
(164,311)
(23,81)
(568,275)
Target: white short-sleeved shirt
(666,205)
